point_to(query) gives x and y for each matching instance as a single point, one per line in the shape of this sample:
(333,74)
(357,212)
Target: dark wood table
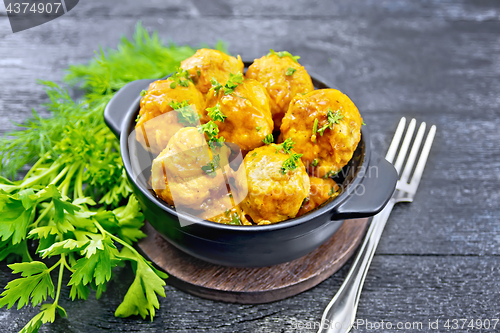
(437,61)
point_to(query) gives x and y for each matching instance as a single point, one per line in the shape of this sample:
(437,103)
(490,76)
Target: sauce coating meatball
(283,77)
(321,191)
(206,64)
(273,196)
(326,127)
(248,117)
(182,162)
(156,104)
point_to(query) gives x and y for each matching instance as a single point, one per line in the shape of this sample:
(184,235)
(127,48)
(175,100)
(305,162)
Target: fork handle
(340,313)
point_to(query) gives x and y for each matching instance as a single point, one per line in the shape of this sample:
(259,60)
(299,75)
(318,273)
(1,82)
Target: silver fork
(340,313)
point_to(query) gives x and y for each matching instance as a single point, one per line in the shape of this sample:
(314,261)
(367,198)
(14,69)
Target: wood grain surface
(253,285)
(438,61)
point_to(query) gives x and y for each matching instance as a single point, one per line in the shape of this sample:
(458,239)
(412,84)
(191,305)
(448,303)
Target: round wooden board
(253,285)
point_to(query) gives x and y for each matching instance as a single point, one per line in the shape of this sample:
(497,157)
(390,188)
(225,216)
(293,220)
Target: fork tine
(413,153)
(415,180)
(393,148)
(405,145)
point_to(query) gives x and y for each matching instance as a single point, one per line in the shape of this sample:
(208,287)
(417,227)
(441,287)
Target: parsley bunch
(75,202)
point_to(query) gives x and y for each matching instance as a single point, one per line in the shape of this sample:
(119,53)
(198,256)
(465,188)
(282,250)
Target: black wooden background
(437,61)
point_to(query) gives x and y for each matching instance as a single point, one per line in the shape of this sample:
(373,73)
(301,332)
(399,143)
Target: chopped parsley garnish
(211,130)
(290,71)
(268,139)
(332,191)
(235,220)
(180,77)
(330,174)
(185,114)
(287,145)
(211,166)
(198,73)
(216,114)
(258,128)
(363,123)
(230,86)
(282,54)
(290,163)
(254,154)
(216,85)
(333,118)
(137,118)
(144,92)
(315,162)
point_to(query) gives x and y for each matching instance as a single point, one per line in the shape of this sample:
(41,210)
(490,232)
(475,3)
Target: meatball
(156,104)
(283,77)
(206,64)
(326,128)
(248,117)
(178,174)
(321,191)
(273,195)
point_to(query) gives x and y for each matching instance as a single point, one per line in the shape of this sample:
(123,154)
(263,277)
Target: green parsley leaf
(235,220)
(290,71)
(141,298)
(315,162)
(287,145)
(363,123)
(282,54)
(232,83)
(216,114)
(333,118)
(144,92)
(290,163)
(258,128)
(185,113)
(268,139)
(35,284)
(180,77)
(210,168)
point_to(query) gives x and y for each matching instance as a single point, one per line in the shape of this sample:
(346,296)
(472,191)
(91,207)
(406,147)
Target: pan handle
(372,194)
(117,107)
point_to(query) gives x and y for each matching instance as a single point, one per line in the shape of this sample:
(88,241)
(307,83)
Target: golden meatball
(321,191)
(248,117)
(206,64)
(178,176)
(283,78)
(156,104)
(326,128)
(273,195)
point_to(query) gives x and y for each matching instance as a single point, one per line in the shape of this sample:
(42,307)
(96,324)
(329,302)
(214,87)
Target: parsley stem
(41,216)
(59,176)
(59,281)
(116,239)
(37,164)
(31,181)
